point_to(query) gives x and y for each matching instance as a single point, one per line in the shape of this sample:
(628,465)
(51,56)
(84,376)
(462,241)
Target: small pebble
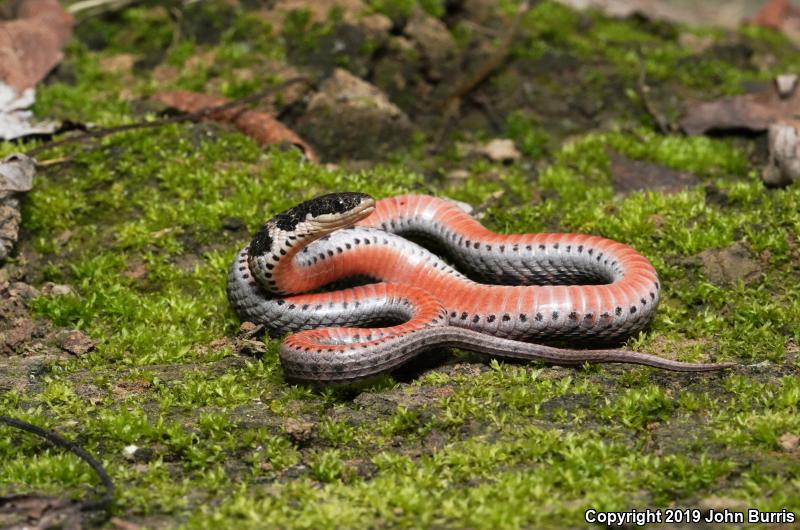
(786,84)
(75,342)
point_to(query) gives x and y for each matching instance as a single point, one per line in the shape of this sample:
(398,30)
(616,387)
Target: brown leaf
(258,125)
(31,41)
(754,111)
(780,15)
(772,13)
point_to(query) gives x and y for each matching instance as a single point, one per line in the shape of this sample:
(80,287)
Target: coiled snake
(546,287)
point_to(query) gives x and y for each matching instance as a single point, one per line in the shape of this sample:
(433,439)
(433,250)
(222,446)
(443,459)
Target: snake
(394,299)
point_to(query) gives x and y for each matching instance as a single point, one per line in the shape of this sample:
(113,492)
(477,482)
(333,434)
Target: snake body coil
(543,287)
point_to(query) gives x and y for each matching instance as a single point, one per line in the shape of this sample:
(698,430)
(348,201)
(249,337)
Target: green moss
(136,225)
(396,9)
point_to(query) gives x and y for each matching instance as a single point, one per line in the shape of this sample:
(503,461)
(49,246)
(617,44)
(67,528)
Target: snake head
(326,212)
(286,233)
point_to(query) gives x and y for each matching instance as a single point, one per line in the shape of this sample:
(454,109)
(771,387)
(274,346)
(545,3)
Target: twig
(177,18)
(486,104)
(190,116)
(53,161)
(491,64)
(642,90)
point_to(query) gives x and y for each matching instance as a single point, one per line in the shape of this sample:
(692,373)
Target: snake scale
(539,288)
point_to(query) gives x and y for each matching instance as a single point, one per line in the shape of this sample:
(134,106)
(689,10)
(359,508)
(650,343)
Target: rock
(351,118)
(433,40)
(9,225)
(377,27)
(479,11)
(500,150)
(783,167)
(75,342)
(398,72)
(633,175)
(16,173)
(56,289)
(129,450)
(16,176)
(22,291)
(19,333)
(786,84)
(247,329)
(300,432)
(729,265)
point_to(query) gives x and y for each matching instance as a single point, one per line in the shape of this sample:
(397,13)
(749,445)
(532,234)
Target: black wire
(60,441)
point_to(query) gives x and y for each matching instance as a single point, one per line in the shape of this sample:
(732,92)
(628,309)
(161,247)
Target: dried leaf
(31,41)
(780,15)
(30,46)
(754,111)
(258,125)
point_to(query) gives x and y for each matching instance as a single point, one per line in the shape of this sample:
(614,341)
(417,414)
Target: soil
(388,88)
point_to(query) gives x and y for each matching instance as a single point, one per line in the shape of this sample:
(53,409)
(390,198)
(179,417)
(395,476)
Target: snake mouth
(362,210)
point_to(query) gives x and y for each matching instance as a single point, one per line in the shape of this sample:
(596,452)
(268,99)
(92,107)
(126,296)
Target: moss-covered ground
(140,226)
